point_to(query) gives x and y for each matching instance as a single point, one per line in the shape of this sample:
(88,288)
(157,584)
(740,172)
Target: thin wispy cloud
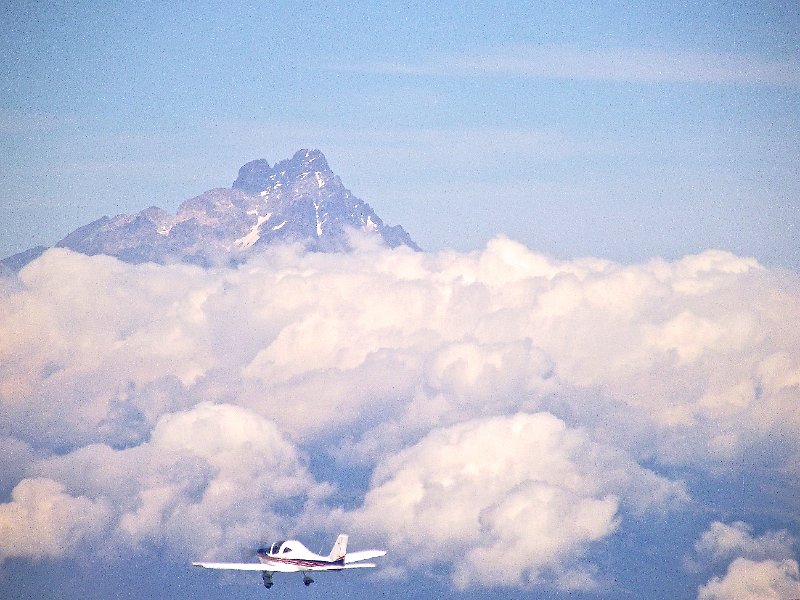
(630,65)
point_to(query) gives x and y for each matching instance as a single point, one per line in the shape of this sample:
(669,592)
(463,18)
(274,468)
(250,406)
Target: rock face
(299,200)
(305,201)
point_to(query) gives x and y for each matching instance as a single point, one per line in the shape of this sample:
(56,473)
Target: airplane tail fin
(339,549)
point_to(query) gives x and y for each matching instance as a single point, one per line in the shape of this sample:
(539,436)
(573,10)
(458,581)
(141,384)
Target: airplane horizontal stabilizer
(352,557)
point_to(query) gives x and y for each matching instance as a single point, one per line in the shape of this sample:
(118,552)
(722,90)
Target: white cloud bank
(155,406)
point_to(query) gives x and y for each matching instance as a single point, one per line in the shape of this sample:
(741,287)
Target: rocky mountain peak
(308,161)
(299,200)
(257,175)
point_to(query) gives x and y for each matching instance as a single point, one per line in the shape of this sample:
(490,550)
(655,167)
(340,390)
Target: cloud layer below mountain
(515,412)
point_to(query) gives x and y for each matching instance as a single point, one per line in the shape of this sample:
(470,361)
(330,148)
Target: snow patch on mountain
(253,235)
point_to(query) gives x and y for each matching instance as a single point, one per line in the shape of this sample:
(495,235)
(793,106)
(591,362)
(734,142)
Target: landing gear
(307,580)
(267,577)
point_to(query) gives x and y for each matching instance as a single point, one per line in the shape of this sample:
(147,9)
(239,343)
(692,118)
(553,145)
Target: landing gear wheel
(267,577)
(307,580)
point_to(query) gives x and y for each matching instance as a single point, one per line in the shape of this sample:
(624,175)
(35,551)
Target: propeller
(247,552)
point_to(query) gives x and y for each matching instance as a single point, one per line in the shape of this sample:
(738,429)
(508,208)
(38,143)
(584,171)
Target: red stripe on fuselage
(305,562)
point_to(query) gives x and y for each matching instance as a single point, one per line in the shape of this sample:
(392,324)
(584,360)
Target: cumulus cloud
(507,500)
(760,567)
(210,478)
(84,335)
(117,381)
(752,580)
(43,521)
(724,542)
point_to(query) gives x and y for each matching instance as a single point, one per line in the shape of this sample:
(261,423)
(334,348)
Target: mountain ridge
(298,200)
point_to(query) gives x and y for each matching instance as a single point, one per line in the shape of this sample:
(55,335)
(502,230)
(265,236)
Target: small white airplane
(290,556)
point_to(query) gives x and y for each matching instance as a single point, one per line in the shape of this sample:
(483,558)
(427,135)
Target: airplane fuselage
(291,555)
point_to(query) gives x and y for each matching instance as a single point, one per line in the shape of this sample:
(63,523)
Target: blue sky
(586,386)
(624,130)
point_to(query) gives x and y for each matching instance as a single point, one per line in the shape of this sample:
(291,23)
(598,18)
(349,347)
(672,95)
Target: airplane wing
(247,567)
(339,567)
(279,568)
(352,557)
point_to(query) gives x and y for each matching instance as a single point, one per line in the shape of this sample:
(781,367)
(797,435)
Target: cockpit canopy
(281,547)
(277,546)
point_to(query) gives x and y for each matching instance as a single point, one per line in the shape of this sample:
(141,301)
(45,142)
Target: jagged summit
(299,200)
(257,176)
(254,176)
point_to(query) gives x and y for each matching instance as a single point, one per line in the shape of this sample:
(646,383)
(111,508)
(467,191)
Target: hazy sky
(619,129)
(587,386)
